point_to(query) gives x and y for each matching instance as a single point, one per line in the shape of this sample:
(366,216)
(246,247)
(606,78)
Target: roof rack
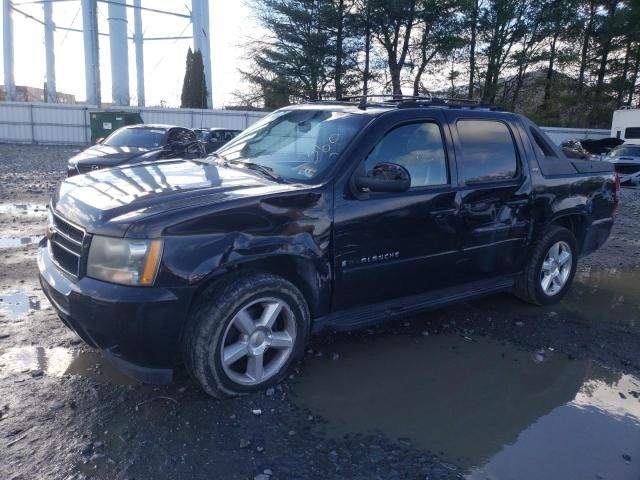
(409,101)
(391,98)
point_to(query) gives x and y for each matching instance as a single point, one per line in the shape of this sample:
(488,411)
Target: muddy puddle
(14,242)
(497,411)
(18,304)
(611,295)
(30,209)
(59,361)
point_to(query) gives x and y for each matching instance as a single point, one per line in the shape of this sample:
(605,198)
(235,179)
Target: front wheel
(551,268)
(244,334)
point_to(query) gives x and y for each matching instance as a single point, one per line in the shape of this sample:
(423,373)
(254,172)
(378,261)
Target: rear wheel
(244,334)
(550,271)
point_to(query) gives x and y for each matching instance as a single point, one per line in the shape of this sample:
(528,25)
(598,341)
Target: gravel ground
(91,423)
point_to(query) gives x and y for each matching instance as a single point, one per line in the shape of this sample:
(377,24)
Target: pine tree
(185,98)
(194,88)
(199,88)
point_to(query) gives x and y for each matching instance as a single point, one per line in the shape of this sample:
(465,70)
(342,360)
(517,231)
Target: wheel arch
(311,276)
(576,223)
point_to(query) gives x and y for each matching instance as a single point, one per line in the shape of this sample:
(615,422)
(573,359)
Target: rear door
(392,245)
(494,195)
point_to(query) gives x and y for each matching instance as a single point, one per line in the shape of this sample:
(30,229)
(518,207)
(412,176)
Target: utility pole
(49,27)
(91,55)
(118,42)
(7,44)
(138,41)
(200,21)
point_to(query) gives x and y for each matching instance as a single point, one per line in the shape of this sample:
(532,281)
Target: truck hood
(108,202)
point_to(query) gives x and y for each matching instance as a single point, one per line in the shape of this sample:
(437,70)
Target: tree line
(560,61)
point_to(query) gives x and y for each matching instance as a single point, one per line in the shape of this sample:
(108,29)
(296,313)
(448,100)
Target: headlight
(125,261)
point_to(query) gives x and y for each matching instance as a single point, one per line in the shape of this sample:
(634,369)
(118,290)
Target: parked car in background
(589,149)
(214,138)
(135,144)
(626,161)
(331,215)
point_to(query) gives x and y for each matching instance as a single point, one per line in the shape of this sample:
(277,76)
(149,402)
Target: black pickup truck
(324,215)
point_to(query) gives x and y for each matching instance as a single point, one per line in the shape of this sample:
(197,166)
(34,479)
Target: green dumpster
(105,123)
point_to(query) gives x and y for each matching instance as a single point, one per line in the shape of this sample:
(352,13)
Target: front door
(392,245)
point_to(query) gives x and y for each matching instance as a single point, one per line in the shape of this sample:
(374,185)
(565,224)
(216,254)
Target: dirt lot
(491,388)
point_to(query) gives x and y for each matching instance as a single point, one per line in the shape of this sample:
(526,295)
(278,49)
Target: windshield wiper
(266,171)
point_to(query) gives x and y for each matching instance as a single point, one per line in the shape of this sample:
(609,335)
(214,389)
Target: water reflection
(31,209)
(60,361)
(486,406)
(19,303)
(610,295)
(13,242)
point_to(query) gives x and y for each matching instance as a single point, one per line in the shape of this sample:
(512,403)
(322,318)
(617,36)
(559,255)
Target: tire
(231,319)
(530,287)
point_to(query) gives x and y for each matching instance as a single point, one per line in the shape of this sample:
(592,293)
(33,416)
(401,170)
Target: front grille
(66,245)
(623,169)
(85,167)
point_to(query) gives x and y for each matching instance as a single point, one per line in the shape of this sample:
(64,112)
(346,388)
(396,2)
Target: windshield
(297,145)
(625,151)
(136,137)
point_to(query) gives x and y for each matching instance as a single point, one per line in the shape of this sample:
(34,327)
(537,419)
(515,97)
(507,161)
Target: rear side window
(632,132)
(488,151)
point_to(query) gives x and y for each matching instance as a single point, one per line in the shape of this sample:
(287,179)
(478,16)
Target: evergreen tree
(185,98)
(194,88)
(199,88)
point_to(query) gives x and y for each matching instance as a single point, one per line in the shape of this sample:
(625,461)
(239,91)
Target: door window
(419,148)
(488,151)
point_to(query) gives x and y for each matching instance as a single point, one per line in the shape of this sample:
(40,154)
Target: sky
(231,26)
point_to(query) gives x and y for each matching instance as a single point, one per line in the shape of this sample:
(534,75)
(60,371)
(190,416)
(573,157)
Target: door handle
(476,207)
(441,213)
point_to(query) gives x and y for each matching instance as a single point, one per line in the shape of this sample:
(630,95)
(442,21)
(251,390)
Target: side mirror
(385,177)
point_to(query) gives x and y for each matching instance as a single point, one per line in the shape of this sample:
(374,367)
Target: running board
(366,315)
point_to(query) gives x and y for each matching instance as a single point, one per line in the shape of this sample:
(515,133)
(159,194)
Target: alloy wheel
(258,341)
(556,268)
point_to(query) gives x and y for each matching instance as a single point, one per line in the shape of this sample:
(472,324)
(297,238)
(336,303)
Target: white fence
(25,122)
(22,122)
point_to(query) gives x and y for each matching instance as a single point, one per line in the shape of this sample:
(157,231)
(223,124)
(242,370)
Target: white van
(626,125)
